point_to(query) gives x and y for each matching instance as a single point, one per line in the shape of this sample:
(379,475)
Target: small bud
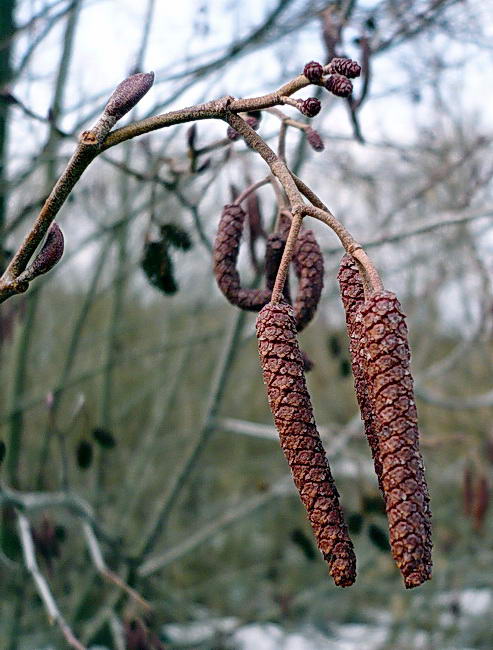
(308,364)
(313,71)
(252,121)
(129,93)
(314,140)
(104,438)
(304,543)
(345,368)
(378,537)
(355,523)
(481,503)
(346,67)
(204,166)
(176,236)
(310,107)
(232,134)
(339,85)
(158,266)
(49,255)
(84,454)
(191,136)
(255,114)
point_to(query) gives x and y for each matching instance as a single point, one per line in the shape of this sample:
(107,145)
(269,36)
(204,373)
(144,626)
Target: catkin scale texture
(390,388)
(225,256)
(353,298)
(309,268)
(290,403)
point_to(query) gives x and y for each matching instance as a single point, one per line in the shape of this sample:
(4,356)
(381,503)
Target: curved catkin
(353,298)
(391,390)
(225,256)
(291,407)
(309,267)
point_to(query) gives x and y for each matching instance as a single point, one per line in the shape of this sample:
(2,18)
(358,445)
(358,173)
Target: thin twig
(54,614)
(99,563)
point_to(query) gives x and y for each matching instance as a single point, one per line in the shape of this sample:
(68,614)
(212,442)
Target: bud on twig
(313,71)
(314,139)
(191,136)
(339,85)
(251,120)
(232,134)
(310,107)
(49,255)
(290,403)
(128,94)
(346,67)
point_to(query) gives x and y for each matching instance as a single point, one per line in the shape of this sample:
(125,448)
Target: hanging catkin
(353,298)
(226,248)
(309,267)
(291,407)
(391,391)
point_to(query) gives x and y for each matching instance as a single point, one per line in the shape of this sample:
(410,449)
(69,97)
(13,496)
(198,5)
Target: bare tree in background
(142,493)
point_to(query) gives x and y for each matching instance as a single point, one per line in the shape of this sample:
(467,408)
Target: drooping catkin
(291,407)
(308,263)
(226,248)
(390,387)
(353,298)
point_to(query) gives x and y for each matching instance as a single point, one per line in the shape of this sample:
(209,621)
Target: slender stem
(54,614)
(287,256)
(98,561)
(350,245)
(251,188)
(209,530)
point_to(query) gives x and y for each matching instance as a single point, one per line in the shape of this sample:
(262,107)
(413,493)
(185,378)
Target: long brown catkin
(309,267)
(391,391)
(353,298)
(291,407)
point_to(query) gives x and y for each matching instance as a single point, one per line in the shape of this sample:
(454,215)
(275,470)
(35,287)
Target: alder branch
(92,143)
